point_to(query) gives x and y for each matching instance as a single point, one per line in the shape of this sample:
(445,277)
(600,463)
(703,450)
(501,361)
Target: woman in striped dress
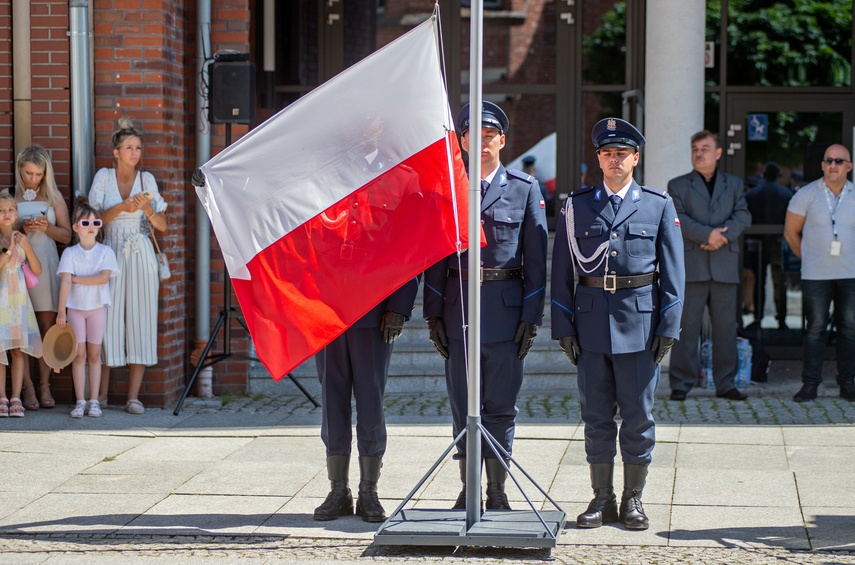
(128,200)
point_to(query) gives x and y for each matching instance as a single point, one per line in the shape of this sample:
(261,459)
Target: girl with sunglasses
(85,270)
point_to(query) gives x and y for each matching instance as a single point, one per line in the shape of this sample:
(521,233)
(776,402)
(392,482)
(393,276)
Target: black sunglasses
(837,161)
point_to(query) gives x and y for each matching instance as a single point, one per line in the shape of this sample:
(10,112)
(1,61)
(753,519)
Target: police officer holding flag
(513,276)
(621,317)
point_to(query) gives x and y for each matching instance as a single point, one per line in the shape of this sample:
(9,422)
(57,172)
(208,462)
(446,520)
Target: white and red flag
(339,199)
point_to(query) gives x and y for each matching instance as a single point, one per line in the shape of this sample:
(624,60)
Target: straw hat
(59,346)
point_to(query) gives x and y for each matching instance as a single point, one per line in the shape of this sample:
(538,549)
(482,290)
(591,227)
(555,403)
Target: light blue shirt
(815,202)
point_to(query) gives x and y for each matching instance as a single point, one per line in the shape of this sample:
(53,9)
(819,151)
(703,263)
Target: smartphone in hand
(149,195)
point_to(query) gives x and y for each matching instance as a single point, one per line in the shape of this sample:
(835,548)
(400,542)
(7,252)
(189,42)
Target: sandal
(134,407)
(79,409)
(16,409)
(45,398)
(32,403)
(4,407)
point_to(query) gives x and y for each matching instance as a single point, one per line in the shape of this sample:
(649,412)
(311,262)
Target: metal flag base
(493,528)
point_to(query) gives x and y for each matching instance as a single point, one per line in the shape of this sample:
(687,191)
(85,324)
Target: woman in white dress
(44,218)
(128,199)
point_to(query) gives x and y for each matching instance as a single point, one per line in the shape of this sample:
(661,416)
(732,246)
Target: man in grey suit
(713,214)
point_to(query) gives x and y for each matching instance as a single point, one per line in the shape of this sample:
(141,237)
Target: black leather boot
(339,501)
(460,504)
(368,503)
(847,391)
(496,476)
(603,508)
(631,512)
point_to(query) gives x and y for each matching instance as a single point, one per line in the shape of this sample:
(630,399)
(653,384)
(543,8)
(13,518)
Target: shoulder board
(519,175)
(655,191)
(580,191)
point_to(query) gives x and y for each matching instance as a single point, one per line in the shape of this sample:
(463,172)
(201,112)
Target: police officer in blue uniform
(356,364)
(621,317)
(513,288)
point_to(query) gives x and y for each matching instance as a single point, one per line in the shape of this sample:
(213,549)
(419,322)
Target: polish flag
(339,199)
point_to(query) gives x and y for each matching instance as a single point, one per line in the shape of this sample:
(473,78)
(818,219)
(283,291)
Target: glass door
(775,144)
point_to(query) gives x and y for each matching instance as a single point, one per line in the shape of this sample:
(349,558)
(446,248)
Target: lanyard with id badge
(832,210)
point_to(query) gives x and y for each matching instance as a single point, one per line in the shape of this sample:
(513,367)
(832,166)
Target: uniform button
(509,218)
(643,232)
(614,236)
(353,223)
(586,233)
(614,253)
(356,204)
(482,222)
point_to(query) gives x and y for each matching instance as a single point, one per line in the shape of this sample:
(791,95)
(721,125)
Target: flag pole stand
(471,527)
(227,314)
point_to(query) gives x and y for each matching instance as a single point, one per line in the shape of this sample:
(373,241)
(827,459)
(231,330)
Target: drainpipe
(203,224)
(82,144)
(22,95)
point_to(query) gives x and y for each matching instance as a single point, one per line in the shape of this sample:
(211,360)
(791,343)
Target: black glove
(660,347)
(437,335)
(198,178)
(571,348)
(391,326)
(526,333)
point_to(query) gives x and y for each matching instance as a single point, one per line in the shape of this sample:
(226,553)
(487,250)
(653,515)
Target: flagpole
(473,434)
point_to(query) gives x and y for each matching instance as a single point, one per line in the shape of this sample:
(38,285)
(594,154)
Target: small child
(85,270)
(19,331)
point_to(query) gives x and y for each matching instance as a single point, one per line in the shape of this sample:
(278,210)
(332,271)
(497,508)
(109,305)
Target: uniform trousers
(611,382)
(685,356)
(355,364)
(501,380)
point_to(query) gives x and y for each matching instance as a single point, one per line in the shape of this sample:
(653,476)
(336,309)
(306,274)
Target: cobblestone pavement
(564,407)
(274,550)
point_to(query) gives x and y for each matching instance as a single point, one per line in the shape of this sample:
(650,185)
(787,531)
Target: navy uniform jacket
(700,213)
(514,223)
(644,236)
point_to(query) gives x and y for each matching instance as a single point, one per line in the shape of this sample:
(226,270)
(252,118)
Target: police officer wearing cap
(513,288)
(621,317)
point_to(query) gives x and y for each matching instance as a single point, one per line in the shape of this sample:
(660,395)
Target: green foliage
(792,43)
(605,49)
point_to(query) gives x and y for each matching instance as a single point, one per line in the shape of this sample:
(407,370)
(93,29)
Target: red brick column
(141,51)
(230,30)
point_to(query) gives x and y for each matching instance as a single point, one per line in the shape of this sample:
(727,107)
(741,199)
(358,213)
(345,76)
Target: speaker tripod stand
(227,314)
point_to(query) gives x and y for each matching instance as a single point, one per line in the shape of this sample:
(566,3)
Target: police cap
(491,117)
(528,160)
(615,132)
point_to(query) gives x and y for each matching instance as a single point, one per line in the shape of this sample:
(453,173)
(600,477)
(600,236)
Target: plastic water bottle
(743,372)
(705,379)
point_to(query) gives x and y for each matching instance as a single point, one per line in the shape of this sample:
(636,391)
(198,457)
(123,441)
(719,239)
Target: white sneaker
(94,409)
(79,409)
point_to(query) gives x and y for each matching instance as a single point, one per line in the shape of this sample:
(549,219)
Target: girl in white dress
(43,215)
(128,200)
(84,295)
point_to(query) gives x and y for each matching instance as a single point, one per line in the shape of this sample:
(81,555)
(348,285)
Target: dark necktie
(615,202)
(484,186)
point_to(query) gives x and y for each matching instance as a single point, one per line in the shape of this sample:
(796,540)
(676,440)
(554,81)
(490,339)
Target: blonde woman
(43,217)
(128,199)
